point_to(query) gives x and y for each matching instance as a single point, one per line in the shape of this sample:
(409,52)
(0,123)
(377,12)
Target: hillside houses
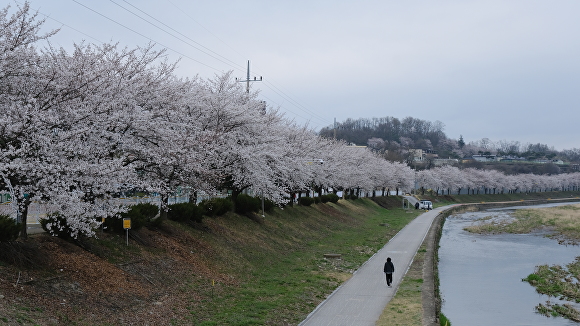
(427,156)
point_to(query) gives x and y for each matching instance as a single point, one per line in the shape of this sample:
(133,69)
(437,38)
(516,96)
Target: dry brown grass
(564,221)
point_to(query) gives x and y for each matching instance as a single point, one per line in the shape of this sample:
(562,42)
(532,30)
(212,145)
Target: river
(480,275)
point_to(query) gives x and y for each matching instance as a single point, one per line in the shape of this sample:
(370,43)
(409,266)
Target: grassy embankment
(282,268)
(231,271)
(406,307)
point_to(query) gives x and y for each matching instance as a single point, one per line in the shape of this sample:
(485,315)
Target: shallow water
(480,275)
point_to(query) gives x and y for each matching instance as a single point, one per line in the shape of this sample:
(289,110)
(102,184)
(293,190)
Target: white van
(425,204)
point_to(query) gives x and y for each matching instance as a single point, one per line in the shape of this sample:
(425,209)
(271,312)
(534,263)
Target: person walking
(389,269)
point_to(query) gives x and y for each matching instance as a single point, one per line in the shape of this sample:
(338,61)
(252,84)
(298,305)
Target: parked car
(425,204)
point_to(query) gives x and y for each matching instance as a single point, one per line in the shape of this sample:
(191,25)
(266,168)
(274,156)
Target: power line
(247,81)
(207,30)
(272,87)
(63,24)
(150,39)
(277,91)
(296,114)
(225,60)
(217,56)
(295,103)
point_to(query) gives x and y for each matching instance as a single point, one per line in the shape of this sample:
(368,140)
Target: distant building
(417,155)
(486,158)
(508,159)
(421,155)
(445,161)
(545,161)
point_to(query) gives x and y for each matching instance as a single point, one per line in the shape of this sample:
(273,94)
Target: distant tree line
(393,138)
(389,129)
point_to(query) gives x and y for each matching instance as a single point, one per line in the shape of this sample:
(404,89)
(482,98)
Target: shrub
(269,205)
(305,201)
(9,229)
(333,198)
(246,204)
(184,212)
(316,200)
(56,224)
(324,199)
(351,197)
(216,206)
(140,215)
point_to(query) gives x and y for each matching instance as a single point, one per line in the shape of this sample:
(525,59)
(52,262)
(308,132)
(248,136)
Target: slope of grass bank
(233,270)
(282,270)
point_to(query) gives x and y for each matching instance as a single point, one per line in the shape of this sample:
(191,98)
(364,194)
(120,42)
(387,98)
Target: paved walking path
(361,299)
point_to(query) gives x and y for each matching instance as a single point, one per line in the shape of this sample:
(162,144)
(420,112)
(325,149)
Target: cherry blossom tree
(77,127)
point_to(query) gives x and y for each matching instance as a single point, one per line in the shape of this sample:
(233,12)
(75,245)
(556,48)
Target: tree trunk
(164,206)
(318,189)
(193,198)
(23,211)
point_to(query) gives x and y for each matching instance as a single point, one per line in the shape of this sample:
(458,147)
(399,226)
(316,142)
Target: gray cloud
(496,69)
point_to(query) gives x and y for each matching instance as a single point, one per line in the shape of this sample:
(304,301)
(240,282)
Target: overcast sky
(503,70)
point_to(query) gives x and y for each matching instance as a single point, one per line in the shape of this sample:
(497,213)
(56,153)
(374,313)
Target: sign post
(127,227)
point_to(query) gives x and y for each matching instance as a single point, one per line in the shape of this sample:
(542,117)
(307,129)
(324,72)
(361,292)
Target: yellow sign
(126,223)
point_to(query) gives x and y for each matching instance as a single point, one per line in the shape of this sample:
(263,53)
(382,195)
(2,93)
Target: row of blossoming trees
(76,127)
(449,179)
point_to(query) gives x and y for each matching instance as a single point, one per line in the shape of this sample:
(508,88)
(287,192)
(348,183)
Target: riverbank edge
(430,296)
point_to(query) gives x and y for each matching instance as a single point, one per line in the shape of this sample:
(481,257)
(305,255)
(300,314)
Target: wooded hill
(389,129)
(395,137)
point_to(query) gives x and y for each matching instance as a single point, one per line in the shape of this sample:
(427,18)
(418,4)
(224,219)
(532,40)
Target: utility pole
(248,80)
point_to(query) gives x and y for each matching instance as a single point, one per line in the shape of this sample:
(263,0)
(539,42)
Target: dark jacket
(389,267)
